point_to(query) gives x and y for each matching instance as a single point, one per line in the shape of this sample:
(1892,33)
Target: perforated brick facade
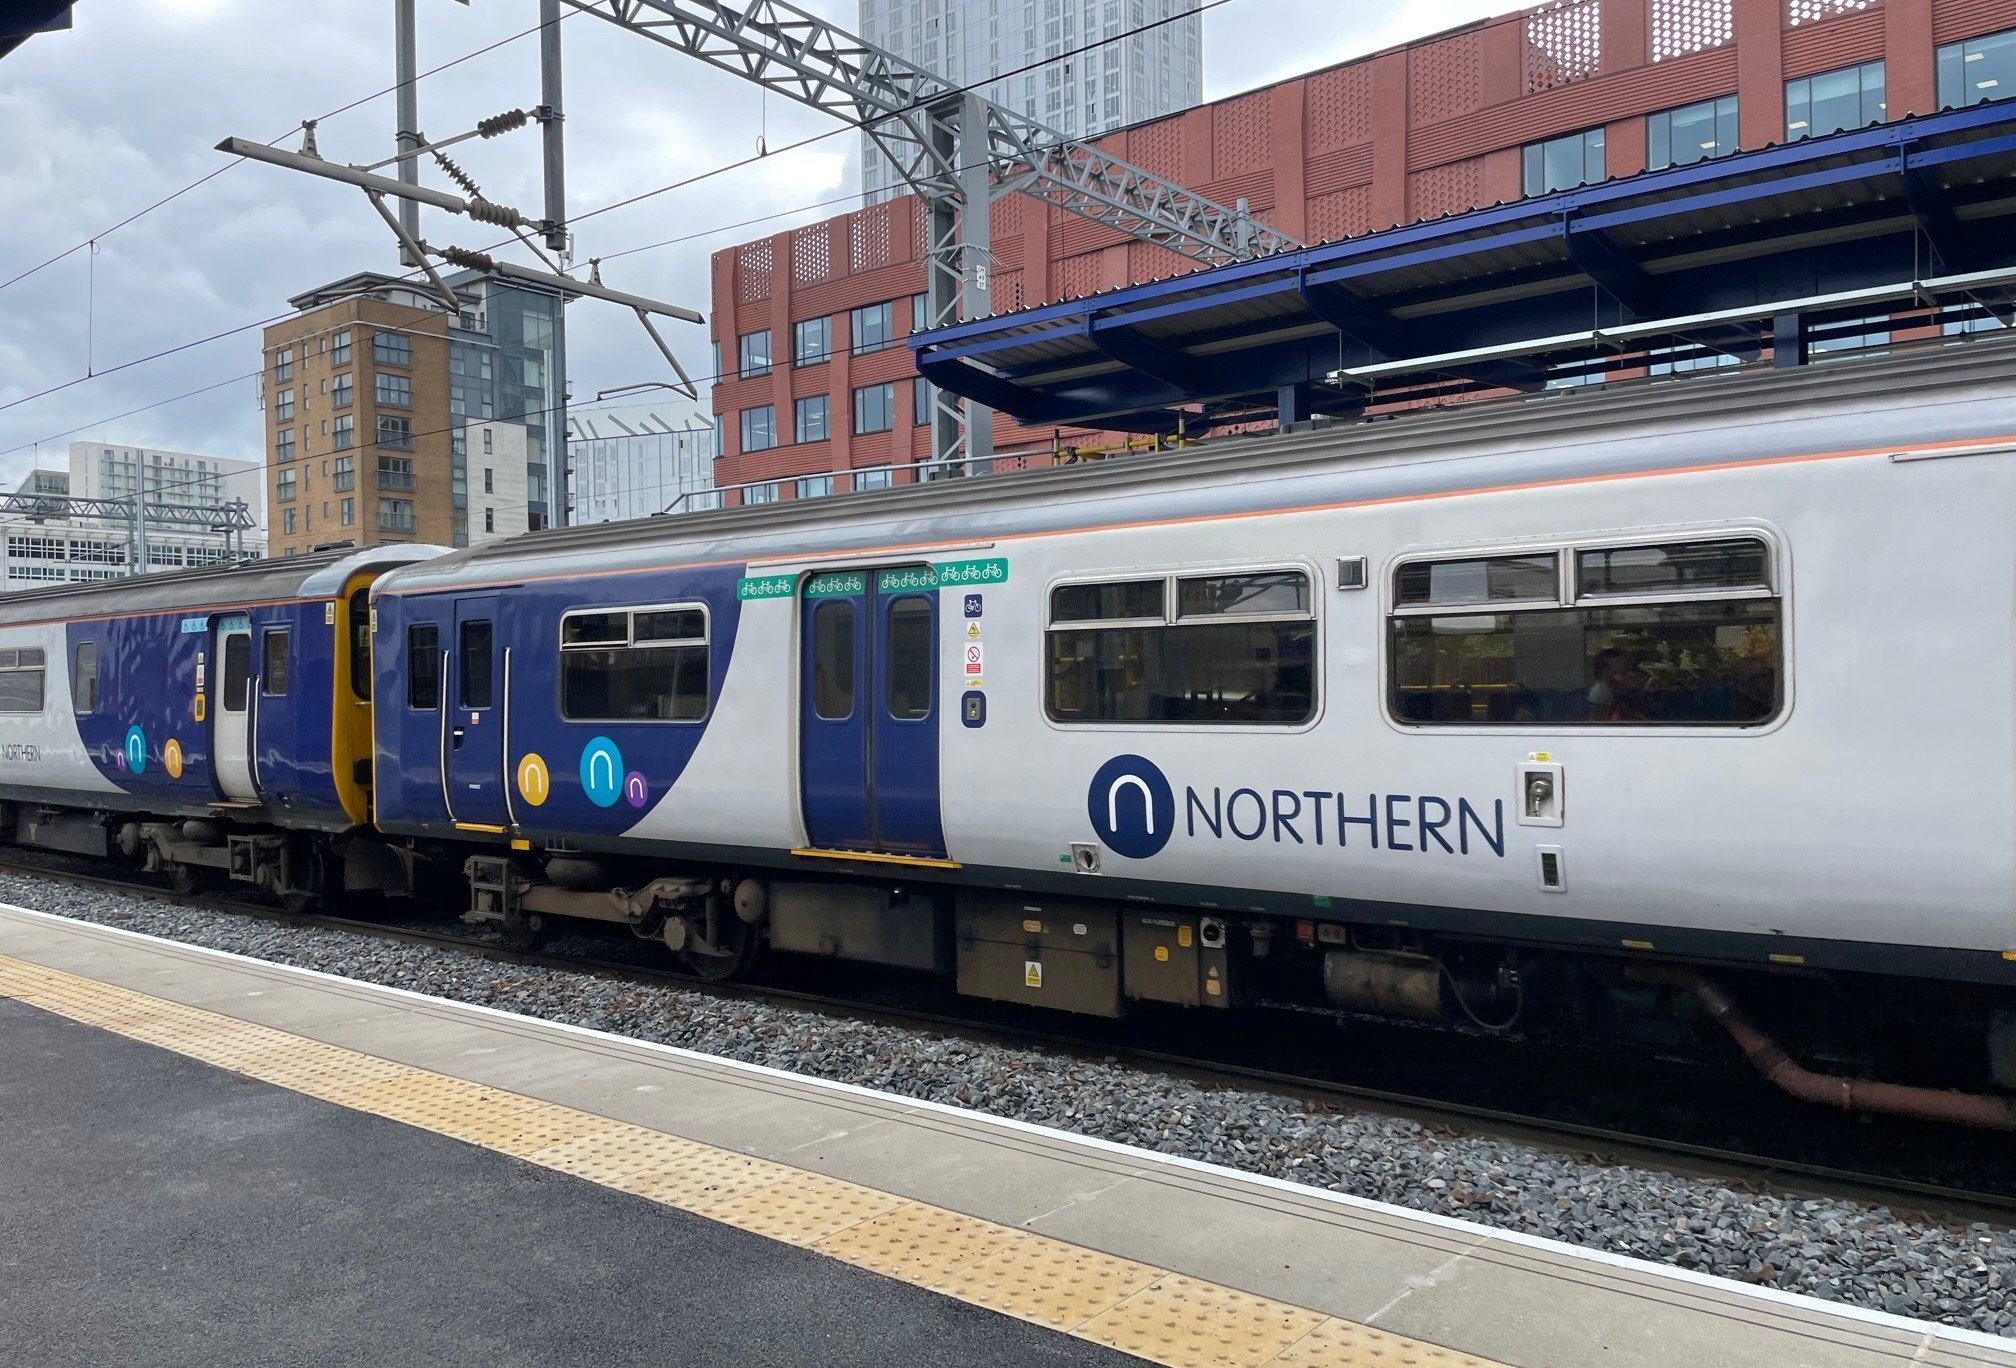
(1416,132)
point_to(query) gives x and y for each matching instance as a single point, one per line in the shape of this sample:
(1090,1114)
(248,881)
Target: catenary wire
(206,178)
(683,183)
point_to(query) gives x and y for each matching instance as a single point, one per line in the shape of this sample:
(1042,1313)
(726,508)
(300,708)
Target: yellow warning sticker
(1032,973)
(1183,936)
(1161,954)
(1032,926)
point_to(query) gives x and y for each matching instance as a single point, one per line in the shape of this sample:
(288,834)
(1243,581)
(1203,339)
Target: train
(1584,715)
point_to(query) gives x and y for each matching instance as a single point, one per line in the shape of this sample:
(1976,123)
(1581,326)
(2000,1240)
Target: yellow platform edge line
(1152,1313)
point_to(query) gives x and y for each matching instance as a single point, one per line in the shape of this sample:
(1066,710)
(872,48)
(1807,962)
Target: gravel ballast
(1865,1256)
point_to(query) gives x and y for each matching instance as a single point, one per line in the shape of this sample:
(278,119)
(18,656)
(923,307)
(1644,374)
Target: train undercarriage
(1954,1043)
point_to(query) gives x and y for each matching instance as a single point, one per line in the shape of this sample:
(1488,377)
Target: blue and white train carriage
(193,721)
(1522,713)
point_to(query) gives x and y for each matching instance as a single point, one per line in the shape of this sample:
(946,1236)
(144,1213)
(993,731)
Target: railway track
(1788,1176)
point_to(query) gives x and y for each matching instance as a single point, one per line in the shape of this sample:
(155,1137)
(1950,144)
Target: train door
(472,716)
(230,705)
(868,716)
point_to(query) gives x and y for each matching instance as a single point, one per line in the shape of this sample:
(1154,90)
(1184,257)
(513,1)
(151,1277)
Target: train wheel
(188,879)
(722,960)
(524,931)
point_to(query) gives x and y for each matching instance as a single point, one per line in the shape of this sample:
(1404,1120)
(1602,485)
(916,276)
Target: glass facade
(503,365)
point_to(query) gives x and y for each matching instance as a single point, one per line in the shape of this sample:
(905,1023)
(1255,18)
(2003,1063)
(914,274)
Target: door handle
(456,736)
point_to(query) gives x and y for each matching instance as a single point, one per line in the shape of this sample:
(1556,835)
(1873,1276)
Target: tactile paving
(1152,1313)
(1182,1321)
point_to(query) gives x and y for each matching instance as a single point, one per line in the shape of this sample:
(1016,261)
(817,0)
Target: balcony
(346,479)
(395,479)
(395,522)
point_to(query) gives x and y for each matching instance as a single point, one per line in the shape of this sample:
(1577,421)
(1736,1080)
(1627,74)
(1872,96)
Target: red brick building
(1540,100)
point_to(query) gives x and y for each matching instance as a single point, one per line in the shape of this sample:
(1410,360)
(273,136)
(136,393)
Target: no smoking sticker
(973,658)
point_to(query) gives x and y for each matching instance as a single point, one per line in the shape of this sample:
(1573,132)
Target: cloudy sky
(106,119)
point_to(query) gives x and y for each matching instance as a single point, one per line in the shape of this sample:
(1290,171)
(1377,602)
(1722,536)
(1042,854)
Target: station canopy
(1777,249)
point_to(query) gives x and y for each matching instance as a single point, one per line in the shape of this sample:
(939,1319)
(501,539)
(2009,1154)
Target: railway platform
(216,1159)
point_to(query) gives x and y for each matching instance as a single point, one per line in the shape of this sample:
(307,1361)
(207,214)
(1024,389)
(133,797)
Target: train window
(1682,567)
(910,659)
(1240,650)
(84,677)
(237,670)
(1495,579)
(423,666)
(833,660)
(676,624)
(474,669)
(637,665)
(22,671)
(1711,655)
(1276,593)
(1121,601)
(360,642)
(273,668)
(589,629)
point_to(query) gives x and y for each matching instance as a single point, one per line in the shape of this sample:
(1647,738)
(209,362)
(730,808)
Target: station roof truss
(1717,256)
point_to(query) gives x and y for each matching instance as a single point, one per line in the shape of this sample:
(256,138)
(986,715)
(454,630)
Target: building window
(489,520)
(1662,634)
(395,391)
(283,446)
(489,441)
(346,472)
(489,480)
(760,493)
(634,665)
(1184,650)
(396,433)
(1562,163)
(395,515)
(349,511)
(1833,100)
(811,341)
(283,487)
(920,312)
(392,349)
(1977,69)
(808,419)
(1691,133)
(283,406)
(22,673)
(283,364)
(815,486)
(339,347)
(920,401)
(345,435)
(340,391)
(874,408)
(759,428)
(752,353)
(874,477)
(289,522)
(395,472)
(872,328)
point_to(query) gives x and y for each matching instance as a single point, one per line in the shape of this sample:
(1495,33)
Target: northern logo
(1132,807)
